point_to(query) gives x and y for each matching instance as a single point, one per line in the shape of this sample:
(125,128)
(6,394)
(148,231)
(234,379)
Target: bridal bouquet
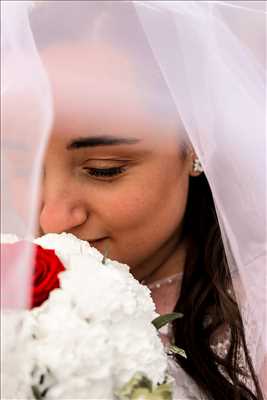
(89,332)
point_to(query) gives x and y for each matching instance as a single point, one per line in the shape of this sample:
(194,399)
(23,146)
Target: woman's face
(114,172)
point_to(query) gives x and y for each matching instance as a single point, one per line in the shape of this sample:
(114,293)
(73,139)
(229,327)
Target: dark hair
(208,305)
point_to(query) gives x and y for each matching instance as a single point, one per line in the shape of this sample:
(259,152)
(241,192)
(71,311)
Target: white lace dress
(184,386)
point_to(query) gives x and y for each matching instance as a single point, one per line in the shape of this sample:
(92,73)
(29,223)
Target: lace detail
(252,335)
(184,386)
(221,347)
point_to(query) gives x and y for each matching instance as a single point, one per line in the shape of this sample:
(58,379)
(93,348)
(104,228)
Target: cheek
(143,214)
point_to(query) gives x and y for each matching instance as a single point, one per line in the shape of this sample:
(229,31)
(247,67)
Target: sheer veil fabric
(198,64)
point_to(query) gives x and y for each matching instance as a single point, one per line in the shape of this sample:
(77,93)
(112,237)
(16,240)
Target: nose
(62,214)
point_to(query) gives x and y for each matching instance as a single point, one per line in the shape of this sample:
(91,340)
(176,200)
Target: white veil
(204,65)
(25,121)
(218,87)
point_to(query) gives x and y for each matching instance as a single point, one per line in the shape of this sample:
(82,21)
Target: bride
(146,157)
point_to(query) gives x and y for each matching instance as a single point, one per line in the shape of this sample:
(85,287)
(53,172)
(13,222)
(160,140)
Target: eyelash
(105,172)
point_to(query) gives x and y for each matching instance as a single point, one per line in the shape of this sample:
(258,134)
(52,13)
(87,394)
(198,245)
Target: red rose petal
(47,268)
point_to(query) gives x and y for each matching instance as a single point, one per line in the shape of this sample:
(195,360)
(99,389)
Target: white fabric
(184,388)
(200,64)
(218,88)
(26,116)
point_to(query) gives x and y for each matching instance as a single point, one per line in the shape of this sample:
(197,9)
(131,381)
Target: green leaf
(141,394)
(141,388)
(163,392)
(36,393)
(162,320)
(177,350)
(138,381)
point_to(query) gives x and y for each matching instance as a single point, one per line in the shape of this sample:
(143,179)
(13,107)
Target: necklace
(165,281)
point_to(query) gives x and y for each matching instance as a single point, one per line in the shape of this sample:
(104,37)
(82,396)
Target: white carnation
(93,333)
(67,245)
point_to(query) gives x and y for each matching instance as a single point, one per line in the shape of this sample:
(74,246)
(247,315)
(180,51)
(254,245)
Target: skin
(137,213)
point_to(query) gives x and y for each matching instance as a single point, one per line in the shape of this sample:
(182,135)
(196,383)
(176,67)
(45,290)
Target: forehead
(99,90)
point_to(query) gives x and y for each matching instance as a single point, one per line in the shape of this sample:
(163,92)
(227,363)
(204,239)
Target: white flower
(93,333)
(16,360)
(67,245)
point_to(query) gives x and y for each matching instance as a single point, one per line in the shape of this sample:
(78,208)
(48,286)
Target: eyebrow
(94,141)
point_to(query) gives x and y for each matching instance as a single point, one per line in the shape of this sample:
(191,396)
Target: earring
(197,167)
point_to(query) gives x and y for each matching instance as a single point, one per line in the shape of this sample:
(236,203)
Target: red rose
(45,279)
(45,272)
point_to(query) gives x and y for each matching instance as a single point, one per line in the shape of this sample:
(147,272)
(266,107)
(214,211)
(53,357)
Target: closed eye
(104,172)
